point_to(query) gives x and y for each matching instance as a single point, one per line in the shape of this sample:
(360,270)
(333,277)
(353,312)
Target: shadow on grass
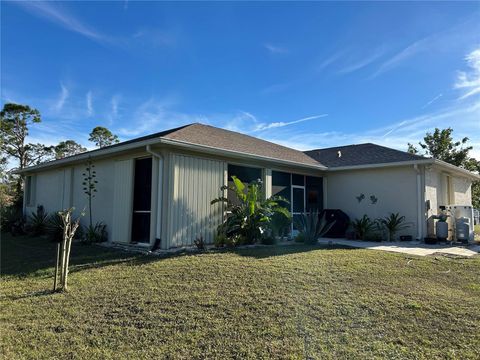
(23,256)
(282,250)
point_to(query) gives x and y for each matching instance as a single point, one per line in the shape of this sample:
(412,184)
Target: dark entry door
(142,201)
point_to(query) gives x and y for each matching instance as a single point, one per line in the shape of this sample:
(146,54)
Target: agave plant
(39,221)
(311,227)
(250,216)
(393,224)
(363,226)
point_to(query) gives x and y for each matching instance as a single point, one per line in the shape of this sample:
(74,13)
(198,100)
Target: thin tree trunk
(57,265)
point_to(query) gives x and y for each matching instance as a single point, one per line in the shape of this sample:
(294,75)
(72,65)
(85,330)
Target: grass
(281,302)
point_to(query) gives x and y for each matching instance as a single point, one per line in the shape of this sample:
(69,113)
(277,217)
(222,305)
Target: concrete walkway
(411,247)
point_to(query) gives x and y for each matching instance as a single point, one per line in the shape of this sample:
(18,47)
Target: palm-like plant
(39,221)
(393,224)
(363,226)
(250,217)
(312,227)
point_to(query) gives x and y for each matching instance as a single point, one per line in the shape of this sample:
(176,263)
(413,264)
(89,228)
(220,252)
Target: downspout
(419,203)
(158,212)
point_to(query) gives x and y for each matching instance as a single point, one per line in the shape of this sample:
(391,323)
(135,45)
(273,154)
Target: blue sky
(306,75)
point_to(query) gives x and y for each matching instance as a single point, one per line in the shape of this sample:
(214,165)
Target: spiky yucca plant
(312,227)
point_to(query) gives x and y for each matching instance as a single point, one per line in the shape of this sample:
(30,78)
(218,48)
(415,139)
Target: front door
(142,201)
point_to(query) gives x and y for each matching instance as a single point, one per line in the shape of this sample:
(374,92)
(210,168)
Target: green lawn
(280,302)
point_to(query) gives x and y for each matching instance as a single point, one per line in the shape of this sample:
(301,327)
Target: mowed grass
(296,302)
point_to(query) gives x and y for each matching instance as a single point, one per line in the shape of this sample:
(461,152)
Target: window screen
(314,193)
(245,174)
(281,185)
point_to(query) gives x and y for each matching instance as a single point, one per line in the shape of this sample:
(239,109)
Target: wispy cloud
(331,59)
(362,63)
(469,81)
(275,49)
(154,115)
(56,13)
(153,37)
(275,88)
(432,101)
(89,102)
(280,124)
(395,135)
(62,97)
(402,56)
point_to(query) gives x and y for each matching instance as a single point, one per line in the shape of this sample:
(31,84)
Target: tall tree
(15,121)
(68,148)
(102,137)
(441,146)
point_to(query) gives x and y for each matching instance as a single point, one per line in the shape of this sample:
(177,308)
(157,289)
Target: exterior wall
(462,191)
(62,188)
(195,182)
(443,189)
(394,187)
(446,189)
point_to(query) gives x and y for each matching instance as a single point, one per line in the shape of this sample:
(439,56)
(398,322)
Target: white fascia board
(456,169)
(440,163)
(381,165)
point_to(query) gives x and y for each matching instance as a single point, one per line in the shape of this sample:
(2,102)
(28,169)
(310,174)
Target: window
(281,185)
(314,193)
(245,174)
(30,191)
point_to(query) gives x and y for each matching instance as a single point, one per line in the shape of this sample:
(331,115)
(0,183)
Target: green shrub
(363,226)
(249,218)
(12,219)
(38,222)
(393,224)
(300,238)
(96,233)
(54,228)
(269,240)
(312,227)
(200,243)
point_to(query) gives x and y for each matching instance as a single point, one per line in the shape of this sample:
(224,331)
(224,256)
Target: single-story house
(158,188)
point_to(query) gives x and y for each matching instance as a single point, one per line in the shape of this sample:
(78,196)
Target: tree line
(16,121)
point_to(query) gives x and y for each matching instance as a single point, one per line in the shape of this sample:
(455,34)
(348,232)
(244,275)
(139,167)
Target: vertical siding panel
(174,204)
(188,200)
(195,183)
(123,196)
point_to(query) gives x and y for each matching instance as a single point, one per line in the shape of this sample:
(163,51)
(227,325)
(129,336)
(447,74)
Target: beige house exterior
(186,167)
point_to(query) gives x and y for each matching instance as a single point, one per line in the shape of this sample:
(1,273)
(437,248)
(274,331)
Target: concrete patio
(411,247)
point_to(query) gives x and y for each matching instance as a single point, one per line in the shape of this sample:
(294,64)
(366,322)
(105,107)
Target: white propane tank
(441,229)
(462,226)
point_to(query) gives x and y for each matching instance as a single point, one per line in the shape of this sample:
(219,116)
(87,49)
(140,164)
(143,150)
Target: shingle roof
(206,135)
(362,154)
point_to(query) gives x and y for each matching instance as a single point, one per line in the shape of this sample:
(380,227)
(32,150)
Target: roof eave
(177,143)
(429,161)
(464,172)
(381,165)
